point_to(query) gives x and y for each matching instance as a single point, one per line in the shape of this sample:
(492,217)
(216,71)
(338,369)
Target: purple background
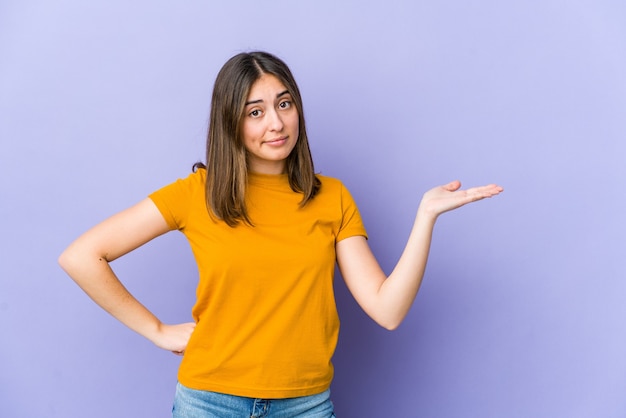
(522,311)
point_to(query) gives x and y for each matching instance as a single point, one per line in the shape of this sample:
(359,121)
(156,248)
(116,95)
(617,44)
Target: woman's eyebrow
(261,100)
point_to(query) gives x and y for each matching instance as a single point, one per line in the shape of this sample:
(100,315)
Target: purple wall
(522,310)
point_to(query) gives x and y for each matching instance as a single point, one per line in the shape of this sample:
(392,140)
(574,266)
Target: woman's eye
(285,105)
(255,113)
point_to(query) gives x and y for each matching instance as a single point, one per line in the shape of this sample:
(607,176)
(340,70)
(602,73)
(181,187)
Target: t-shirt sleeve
(174,200)
(351,222)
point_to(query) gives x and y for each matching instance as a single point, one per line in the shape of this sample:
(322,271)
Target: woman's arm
(387,300)
(87,260)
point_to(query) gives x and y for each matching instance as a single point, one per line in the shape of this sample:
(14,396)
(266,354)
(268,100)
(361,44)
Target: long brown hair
(226,162)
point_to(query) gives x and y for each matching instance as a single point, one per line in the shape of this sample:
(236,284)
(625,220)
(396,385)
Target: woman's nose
(275,121)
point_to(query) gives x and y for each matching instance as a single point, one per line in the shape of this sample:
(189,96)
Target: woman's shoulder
(330,181)
(334,192)
(187,184)
(196,177)
(331,184)
(198,173)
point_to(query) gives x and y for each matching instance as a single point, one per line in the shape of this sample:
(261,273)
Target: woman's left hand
(449,197)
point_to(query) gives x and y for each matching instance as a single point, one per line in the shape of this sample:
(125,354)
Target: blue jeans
(191,403)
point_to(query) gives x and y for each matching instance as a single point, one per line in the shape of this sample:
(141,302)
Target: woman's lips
(277,141)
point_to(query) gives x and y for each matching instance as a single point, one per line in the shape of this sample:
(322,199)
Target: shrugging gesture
(387,300)
(241,212)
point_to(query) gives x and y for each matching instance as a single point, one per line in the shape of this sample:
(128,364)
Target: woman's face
(270,125)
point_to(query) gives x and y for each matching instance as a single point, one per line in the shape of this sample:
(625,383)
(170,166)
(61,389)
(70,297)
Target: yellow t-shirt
(267,323)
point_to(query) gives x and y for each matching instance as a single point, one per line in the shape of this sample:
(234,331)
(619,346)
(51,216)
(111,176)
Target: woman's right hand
(174,338)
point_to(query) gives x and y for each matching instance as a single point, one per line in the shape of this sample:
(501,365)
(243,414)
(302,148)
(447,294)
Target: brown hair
(226,162)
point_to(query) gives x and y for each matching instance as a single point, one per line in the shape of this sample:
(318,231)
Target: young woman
(266,232)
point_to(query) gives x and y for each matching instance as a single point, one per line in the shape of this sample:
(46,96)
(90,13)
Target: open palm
(450,196)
